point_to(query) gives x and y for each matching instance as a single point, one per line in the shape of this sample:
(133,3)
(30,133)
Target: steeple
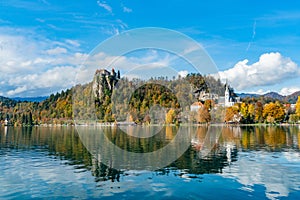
(227,95)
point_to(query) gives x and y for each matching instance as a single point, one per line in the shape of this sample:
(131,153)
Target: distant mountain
(274,95)
(245,95)
(30,99)
(292,98)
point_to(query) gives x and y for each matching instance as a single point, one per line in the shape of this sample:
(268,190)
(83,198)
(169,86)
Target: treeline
(133,100)
(258,112)
(248,112)
(57,109)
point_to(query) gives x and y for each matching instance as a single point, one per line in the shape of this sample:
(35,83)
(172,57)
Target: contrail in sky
(253,36)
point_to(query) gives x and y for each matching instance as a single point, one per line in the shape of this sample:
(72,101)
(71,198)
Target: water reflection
(264,155)
(65,143)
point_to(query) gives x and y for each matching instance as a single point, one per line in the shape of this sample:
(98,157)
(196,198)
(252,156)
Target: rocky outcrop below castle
(103,83)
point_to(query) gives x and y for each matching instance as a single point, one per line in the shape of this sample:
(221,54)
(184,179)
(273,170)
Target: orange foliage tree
(273,112)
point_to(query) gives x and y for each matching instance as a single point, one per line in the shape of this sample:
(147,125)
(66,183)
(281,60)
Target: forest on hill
(60,108)
(56,109)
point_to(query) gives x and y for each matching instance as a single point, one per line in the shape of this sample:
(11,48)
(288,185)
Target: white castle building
(229,98)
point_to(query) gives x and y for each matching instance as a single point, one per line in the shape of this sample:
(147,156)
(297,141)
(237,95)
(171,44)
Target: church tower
(227,96)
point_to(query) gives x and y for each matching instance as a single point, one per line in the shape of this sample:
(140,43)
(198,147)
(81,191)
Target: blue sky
(255,44)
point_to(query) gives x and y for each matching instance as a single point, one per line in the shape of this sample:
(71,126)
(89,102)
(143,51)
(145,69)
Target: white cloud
(126,9)
(287,91)
(2,21)
(74,43)
(271,69)
(15,50)
(56,78)
(40,20)
(56,50)
(34,66)
(17,90)
(149,64)
(259,91)
(266,171)
(104,5)
(190,49)
(183,73)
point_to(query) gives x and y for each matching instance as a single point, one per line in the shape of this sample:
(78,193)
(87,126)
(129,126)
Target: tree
(30,121)
(251,111)
(273,112)
(247,111)
(170,116)
(258,112)
(293,118)
(147,119)
(231,113)
(298,107)
(23,119)
(244,110)
(203,115)
(208,104)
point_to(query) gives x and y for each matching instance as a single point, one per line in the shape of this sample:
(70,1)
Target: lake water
(218,163)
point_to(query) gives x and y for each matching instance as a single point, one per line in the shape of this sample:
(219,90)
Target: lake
(191,162)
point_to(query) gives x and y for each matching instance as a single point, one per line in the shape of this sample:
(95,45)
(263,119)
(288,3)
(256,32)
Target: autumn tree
(147,119)
(209,104)
(231,113)
(293,118)
(244,110)
(203,115)
(247,111)
(273,112)
(298,107)
(251,110)
(170,116)
(258,112)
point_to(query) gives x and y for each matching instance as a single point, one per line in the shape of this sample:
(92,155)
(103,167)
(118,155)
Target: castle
(229,98)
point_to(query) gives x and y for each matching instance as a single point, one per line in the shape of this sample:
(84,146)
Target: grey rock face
(103,83)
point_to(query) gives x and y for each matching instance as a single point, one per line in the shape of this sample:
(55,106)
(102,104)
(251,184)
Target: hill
(58,108)
(292,98)
(245,95)
(7,102)
(30,99)
(272,96)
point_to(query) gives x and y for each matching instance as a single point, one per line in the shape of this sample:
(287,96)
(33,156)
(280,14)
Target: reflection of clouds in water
(38,176)
(280,174)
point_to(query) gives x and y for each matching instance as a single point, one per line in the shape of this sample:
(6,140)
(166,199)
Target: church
(229,98)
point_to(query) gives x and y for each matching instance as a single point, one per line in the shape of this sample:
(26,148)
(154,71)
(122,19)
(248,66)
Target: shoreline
(113,124)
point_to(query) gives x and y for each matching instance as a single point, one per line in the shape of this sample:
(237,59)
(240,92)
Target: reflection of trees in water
(269,138)
(131,141)
(212,163)
(103,172)
(64,143)
(60,142)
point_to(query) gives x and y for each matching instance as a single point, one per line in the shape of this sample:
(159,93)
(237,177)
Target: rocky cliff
(103,83)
